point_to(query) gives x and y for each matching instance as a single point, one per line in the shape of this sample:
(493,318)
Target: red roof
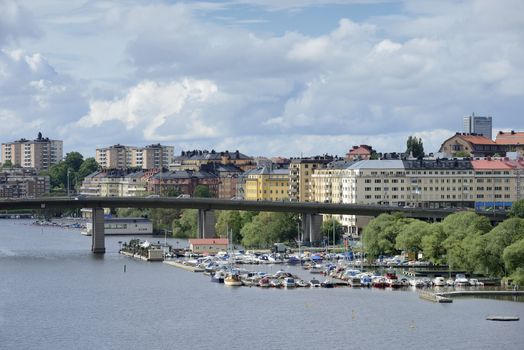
(510,138)
(495,164)
(208,241)
(477,140)
(359,151)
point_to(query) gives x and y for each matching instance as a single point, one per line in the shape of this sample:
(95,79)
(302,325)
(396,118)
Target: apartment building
(40,153)
(122,157)
(483,184)
(116,183)
(183,182)
(194,160)
(474,124)
(300,176)
(266,184)
(22,183)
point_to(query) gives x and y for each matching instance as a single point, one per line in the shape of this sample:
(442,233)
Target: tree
(7,164)
(462,230)
(232,220)
(517,209)
(514,256)
(201,191)
(493,244)
(186,225)
(410,237)
(432,245)
(89,166)
(462,154)
(415,147)
(73,160)
(327,230)
(380,234)
(268,228)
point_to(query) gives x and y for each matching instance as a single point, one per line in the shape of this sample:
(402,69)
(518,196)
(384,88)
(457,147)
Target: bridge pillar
(206,223)
(97,238)
(311,224)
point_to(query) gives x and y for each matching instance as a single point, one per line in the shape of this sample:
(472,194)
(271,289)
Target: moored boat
(233,280)
(289,282)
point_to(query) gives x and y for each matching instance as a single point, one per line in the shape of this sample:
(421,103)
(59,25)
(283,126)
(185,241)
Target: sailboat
(233,278)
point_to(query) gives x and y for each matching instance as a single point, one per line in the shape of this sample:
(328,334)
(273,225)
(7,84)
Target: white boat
(461,280)
(475,282)
(450,282)
(354,282)
(439,281)
(315,283)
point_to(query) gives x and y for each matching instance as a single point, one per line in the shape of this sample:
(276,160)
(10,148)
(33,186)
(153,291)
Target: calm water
(54,294)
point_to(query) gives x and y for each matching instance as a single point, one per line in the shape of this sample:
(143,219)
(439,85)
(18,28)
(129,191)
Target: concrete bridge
(310,211)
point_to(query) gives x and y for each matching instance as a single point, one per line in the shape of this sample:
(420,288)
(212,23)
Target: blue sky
(267,77)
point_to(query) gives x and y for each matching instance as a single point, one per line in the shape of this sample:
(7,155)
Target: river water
(54,294)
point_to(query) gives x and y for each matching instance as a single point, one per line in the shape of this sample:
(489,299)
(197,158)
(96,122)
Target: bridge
(310,211)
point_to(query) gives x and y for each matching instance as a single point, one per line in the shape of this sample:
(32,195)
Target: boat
(502,318)
(461,280)
(365,281)
(354,282)
(315,283)
(317,268)
(328,283)
(218,277)
(275,283)
(289,282)
(293,260)
(302,283)
(439,281)
(475,282)
(264,282)
(378,282)
(233,280)
(392,280)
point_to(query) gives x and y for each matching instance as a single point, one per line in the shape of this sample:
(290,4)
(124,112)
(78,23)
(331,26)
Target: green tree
(201,191)
(186,225)
(232,220)
(415,146)
(268,228)
(514,256)
(380,234)
(492,245)
(462,230)
(89,166)
(7,164)
(462,154)
(73,161)
(432,245)
(327,230)
(517,209)
(410,237)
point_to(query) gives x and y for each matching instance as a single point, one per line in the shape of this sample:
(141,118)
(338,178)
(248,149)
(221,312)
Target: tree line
(465,241)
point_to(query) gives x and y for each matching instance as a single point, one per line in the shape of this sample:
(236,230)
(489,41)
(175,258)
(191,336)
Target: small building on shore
(123,226)
(208,245)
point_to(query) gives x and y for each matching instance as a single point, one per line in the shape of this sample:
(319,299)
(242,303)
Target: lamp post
(68,172)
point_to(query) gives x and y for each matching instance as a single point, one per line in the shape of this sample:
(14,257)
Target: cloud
(15,22)
(150,106)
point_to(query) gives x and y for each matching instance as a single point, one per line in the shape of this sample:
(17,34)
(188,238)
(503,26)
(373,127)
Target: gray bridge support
(98,245)
(206,223)
(311,224)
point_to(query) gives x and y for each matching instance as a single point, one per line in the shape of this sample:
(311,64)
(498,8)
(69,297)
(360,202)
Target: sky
(266,77)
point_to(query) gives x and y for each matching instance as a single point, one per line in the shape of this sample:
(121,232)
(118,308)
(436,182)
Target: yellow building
(266,184)
(300,176)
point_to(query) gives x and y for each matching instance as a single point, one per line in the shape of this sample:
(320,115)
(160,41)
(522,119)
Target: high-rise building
(122,157)
(40,153)
(474,124)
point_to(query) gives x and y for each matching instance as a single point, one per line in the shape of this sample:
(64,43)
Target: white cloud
(149,106)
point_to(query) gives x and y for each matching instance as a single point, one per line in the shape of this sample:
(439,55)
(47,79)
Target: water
(54,294)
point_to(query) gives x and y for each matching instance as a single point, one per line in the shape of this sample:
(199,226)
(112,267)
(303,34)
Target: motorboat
(379,282)
(275,283)
(233,280)
(317,268)
(450,282)
(302,283)
(218,277)
(289,282)
(354,282)
(365,281)
(392,280)
(328,283)
(475,282)
(439,281)
(315,283)
(461,280)
(264,282)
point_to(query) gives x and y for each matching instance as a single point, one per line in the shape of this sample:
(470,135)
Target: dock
(184,266)
(461,293)
(434,297)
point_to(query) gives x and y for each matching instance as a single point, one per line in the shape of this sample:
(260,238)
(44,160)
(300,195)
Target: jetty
(460,293)
(434,297)
(181,265)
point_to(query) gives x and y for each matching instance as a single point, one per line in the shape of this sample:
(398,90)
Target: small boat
(302,283)
(461,280)
(289,282)
(317,268)
(354,282)
(475,282)
(365,281)
(328,283)
(392,280)
(233,280)
(218,277)
(502,318)
(264,282)
(439,281)
(275,283)
(315,283)
(379,282)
